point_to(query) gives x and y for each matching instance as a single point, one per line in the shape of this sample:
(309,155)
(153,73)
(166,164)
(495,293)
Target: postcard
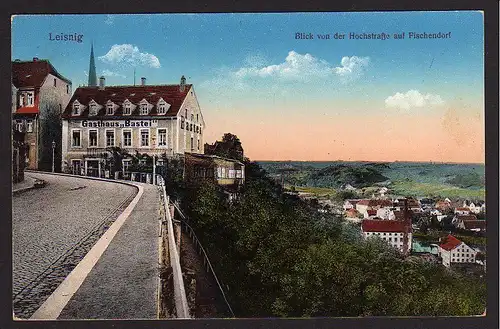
(248,165)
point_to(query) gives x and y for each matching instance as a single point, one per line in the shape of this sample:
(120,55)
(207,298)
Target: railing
(180,300)
(206,262)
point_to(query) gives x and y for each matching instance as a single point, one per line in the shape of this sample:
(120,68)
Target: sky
(291,98)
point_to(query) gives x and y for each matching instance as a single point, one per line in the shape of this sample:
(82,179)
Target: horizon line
(379,161)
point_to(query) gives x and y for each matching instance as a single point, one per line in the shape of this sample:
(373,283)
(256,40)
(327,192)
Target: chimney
(182,86)
(143,81)
(102,82)
(35,59)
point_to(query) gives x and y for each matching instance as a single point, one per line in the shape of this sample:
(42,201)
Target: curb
(124,182)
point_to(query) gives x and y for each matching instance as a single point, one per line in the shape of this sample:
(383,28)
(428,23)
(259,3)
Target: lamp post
(154,161)
(53,150)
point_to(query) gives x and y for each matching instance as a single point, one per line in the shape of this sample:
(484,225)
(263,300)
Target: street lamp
(53,159)
(154,161)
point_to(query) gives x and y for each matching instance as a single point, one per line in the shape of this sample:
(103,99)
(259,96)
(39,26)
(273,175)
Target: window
(30,99)
(232,173)
(219,172)
(192,144)
(29,126)
(238,173)
(127,138)
(67,89)
(19,125)
(127,110)
(162,137)
(191,127)
(162,108)
(55,82)
(93,109)
(92,138)
(198,144)
(197,118)
(110,138)
(186,113)
(192,117)
(223,172)
(182,123)
(144,138)
(75,138)
(144,109)
(76,109)
(390,239)
(109,109)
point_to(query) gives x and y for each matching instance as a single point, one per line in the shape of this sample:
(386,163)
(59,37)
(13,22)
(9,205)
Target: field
(455,181)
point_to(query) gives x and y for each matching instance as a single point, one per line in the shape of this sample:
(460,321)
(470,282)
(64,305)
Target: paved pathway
(123,283)
(54,227)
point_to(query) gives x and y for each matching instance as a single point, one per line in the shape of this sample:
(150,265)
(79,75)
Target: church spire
(92,73)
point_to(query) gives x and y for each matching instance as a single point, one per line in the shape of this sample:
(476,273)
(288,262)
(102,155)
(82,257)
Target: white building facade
(454,251)
(391,231)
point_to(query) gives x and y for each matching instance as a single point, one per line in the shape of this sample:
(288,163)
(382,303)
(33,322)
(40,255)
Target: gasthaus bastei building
(151,119)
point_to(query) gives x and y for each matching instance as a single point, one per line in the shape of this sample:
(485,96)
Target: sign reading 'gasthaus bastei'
(119,123)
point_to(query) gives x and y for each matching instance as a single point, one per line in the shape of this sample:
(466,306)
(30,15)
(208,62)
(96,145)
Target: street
(54,227)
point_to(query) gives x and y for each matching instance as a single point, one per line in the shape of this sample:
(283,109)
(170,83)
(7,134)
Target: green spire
(92,73)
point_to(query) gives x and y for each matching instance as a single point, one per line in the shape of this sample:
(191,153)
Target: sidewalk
(123,282)
(27,184)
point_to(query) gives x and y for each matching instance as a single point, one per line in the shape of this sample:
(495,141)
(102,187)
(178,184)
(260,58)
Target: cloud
(109,20)
(129,54)
(86,73)
(108,73)
(412,99)
(304,67)
(352,66)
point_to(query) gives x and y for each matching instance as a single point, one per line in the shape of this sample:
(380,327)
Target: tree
(230,147)
(50,130)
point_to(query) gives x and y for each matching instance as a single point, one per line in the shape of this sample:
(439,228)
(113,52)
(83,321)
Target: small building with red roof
(391,231)
(39,94)
(454,251)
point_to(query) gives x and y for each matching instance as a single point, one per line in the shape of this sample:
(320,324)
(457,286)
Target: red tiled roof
(450,242)
(369,225)
(33,73)
(363,202)
(475,224)
(371,212)
(118,94)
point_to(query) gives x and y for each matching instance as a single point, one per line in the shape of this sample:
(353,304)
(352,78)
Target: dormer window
(127,108)
(76,108)
(109,108)
(144,108)
(93,109)
(163,107)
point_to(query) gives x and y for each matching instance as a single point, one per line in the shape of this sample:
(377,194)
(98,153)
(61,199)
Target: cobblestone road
(52,230)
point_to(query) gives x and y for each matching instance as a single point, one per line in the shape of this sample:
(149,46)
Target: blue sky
(252,63)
